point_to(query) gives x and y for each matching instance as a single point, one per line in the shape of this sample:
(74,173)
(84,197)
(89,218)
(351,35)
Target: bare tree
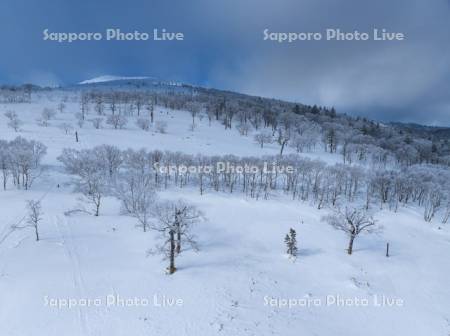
(98,107)
(34,216)
(110,157)
(243,129)
(84,106)
(5,161)
(93,180)
(287,122)
(113,102)
(433,200)
(139,102)
(161,126)
(25,159)
(14,121)
(61,107)
(10,115)
(352,221)
(150,109)
(175,221)
(193,108)
(143,123)
(117,121)
(307,136)
(80,119)
(138,197)
(97,122)
(263,138)
(46,115)
(66,127)
(446,214)
(94,188)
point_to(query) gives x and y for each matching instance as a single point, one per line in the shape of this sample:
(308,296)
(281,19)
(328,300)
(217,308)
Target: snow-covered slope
(231,285)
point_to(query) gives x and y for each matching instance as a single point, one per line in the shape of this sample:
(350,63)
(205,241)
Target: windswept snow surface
(224,287)
(108,78)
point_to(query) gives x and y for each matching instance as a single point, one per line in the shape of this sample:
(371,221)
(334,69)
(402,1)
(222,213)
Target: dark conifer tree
(291,243)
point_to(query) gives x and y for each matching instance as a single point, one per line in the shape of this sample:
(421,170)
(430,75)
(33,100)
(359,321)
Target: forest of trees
(381,166)
(313,181)
(20,161)
(298,126)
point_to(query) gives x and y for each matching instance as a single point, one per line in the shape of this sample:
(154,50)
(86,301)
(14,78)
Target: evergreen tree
(291,243)
(315,110)
(333,113)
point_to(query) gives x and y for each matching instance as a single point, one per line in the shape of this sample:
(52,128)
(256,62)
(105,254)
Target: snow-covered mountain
(130,82)
(110,78)
(101,275)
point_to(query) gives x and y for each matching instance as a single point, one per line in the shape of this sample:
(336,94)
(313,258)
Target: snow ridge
(109,78)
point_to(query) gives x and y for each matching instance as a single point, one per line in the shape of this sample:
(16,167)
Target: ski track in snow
(66,235)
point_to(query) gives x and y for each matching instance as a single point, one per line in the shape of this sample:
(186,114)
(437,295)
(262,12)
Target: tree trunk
(37,232)
(178,241)
(172,268)
(350,244)
(178,228)
(97,208)
(283,144)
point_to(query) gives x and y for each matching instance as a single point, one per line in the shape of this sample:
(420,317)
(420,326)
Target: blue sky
(224,48)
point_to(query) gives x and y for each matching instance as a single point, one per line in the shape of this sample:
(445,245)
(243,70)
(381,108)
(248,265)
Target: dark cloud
(224,47)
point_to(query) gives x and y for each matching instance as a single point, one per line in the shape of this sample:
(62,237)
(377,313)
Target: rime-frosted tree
(5,161)
(175,222)
(352,221)
(66,127)
(97,122)
(61,107)
(34,216)
(110,157)
(150,109)
(263,138)
(161,127)
(46,115)
(117,121)
(25,160)
(244,129)
(143,123)
(137,194)
(14,122)
(291,243)
(93,173)
(194,109)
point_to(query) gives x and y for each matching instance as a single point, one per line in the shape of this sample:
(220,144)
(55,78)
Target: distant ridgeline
(286,120)
(409,143)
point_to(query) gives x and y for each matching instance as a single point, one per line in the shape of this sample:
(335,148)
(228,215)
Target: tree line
(20,161)
(312,181)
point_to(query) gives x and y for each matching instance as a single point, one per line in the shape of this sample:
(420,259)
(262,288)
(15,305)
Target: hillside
(238,281)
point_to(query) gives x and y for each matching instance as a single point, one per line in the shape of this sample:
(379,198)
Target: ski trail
(66,236)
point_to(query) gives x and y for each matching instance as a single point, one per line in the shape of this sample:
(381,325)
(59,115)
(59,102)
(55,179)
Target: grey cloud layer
(405,81)
(383,80)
